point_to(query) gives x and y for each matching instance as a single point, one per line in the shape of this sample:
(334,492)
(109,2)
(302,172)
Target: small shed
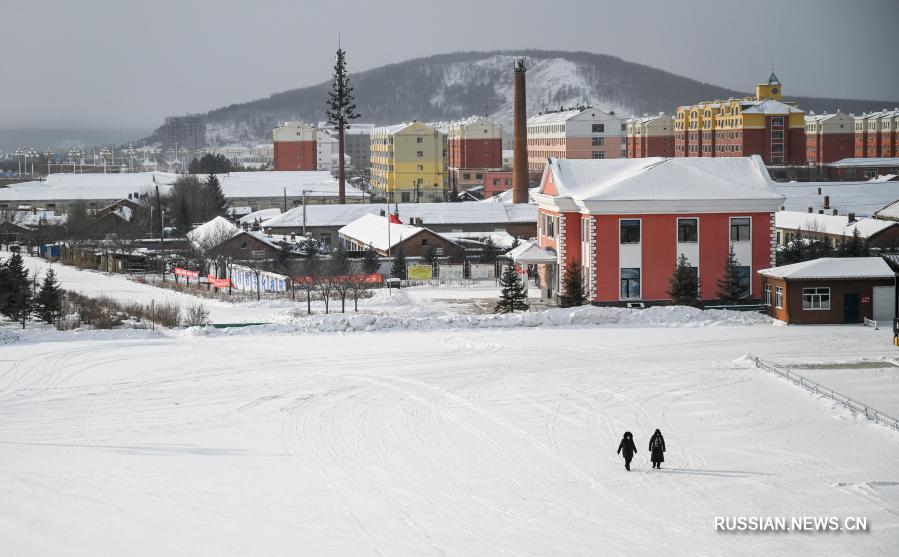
(831,290)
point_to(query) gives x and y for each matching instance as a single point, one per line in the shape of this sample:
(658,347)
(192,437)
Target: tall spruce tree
(730,291)
(573,286)
(514,293)
(683,286)
(855,246)
(398,269)
(14,284)
(216,204)
(48,304)
(341,111)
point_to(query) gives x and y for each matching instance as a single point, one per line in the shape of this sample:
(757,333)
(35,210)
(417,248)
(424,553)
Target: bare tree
(305,274)
(358,282)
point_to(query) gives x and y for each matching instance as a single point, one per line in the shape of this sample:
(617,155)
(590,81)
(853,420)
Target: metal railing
(852,404)
(871,323)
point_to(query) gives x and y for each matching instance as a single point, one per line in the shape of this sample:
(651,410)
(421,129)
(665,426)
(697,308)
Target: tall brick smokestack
(520,131)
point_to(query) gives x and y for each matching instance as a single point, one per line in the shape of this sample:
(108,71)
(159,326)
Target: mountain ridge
(453,85)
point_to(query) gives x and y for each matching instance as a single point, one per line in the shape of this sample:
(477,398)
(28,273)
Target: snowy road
(436,443)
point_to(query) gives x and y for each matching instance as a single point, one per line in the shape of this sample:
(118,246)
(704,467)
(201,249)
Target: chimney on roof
(381,213)
(827,202)
(820,211)
(520,137)
(810,210)
(268,232)
(834,212)
(293,236)
(819,190)
(851,217)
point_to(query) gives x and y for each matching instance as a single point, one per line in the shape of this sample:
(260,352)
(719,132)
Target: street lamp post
(33,154)
(18,155)
(49,154)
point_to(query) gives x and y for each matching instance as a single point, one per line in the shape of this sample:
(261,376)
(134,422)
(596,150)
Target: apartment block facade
(828,137)
(650,136)
(578,133)
(294,146)
(408,163)
(762,126)
(474,147)
(876,134)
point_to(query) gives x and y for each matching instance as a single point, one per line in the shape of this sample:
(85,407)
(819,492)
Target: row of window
(687,230)
(815,298)
(629,278)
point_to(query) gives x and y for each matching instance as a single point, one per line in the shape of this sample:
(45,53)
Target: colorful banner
(247,279)
(185,273)
(419,272)
(218,282)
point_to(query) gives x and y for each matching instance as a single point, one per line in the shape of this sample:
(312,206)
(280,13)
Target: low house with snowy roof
(257,190)
(830,290)
(625,222)
(862,168)
(877,233)
(386,237)
(323,222)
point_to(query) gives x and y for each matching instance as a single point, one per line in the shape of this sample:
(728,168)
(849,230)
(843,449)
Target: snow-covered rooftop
(530,253)
(658,178)
(118,186)
(212,232)
(262,215)
(861,198)
(837,225)
(771,106)
(372,230)
(854,162)
(564,115)
(833,268)
(429,213)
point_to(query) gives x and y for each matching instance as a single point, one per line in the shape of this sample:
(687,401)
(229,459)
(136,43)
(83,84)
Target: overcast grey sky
(130,63)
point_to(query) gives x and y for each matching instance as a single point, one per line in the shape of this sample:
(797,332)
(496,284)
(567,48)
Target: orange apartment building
(762,125)
(875,134)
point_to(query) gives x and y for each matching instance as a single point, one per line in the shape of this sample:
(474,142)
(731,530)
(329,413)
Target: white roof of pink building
(654,178)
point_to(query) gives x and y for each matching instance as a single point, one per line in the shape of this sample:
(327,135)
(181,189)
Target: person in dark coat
(657,448)
(627,449)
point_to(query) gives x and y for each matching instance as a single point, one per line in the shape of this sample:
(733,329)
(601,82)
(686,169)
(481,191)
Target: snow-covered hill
(450,86)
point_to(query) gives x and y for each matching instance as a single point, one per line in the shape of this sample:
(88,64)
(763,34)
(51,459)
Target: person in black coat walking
(627,449)
(657,448)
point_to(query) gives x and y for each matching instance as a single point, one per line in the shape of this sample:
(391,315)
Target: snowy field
(459,442)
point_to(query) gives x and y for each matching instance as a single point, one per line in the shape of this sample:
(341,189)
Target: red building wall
(475,153)
(504,177)
(659,252)
(295,155)
(835,146)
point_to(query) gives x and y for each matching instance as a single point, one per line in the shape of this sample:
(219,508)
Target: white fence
(870,323)
(851,404)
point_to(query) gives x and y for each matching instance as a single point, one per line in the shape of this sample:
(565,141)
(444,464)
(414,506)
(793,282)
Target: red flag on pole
(392,218)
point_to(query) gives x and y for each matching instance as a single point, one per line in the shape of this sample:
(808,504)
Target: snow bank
(589,316)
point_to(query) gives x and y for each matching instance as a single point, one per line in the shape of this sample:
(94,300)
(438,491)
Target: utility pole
(285,199)
(161,248)
(304,212)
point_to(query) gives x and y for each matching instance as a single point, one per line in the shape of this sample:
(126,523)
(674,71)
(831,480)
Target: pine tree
(216,204)
(515,242)
(48,304)
(573,286)
(429,255)
(683,284)
(370,263)
(855,246)
(16,290)
(341,111)
(514,293)
(730,291)
(398,269)
(490,252)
